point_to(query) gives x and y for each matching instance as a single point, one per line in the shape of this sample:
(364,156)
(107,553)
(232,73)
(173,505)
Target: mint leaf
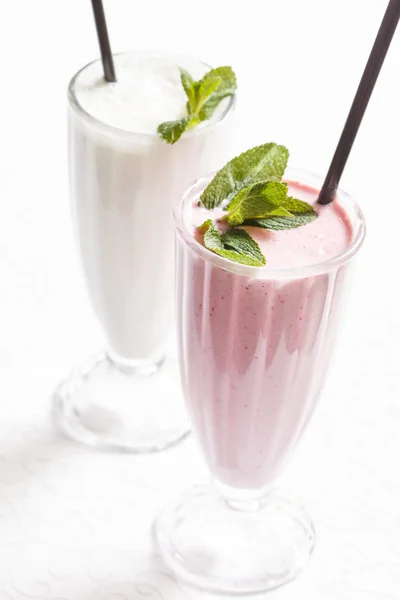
(212,236)
(226,88)
(241,242)
(301,213)
(189,86)
(236,245)
(203,98)
(281,211)
(206,88)
(262,163)
(258,200)
(299,207)
(171,131)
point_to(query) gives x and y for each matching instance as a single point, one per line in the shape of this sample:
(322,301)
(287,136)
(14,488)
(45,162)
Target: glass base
(235,546)
(116,406)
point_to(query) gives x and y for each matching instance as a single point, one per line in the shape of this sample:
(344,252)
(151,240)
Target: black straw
(104,42)
(360,102)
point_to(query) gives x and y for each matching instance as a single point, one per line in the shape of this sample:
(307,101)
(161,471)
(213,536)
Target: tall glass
(123,189)
(254,346)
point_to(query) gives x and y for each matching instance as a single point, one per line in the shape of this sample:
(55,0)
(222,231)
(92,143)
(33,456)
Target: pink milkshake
(255,343)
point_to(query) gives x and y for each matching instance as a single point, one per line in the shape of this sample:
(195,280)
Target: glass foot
(234,546)
(122,407)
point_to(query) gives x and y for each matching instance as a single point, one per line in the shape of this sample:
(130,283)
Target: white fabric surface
(76,524)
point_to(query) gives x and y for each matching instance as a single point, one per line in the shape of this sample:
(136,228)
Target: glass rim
(278,272)
(148,137)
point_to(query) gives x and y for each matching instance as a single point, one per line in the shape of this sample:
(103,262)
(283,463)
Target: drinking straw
(360,102)
(104,41)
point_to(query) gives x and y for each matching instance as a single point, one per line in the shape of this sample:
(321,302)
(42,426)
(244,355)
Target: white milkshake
(124,183)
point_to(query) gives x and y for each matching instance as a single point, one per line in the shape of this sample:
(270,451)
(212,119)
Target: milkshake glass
(123,188)
(254,345)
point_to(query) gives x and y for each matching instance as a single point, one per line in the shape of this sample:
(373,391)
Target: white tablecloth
(76,524)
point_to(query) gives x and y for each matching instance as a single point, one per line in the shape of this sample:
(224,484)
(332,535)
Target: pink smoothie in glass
(255,343)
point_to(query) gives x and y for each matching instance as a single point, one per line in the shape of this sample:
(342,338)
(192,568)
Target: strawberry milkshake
(255,343)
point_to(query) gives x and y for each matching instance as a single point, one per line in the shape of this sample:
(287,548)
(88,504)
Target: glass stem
(242,500)
(139,367)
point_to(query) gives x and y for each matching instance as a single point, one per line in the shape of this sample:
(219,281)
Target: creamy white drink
(124,184)
(125,181)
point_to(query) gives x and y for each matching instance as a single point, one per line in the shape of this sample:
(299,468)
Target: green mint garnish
(203,98)
(189,86)
(262,163)
(263,199)
(226,87)
(234,244)
(252,192)
(300,213)
(171,131)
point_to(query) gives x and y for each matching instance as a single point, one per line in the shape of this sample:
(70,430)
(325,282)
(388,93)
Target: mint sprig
(171,131)
(253,194)
(227,87)
(203,98)
(260,164)
(235,244)
(300,213)
(262,199)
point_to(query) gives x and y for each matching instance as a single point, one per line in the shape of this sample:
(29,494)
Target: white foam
(148,92)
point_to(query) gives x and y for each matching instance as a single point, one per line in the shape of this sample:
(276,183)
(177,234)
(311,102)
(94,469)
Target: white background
(75,525)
